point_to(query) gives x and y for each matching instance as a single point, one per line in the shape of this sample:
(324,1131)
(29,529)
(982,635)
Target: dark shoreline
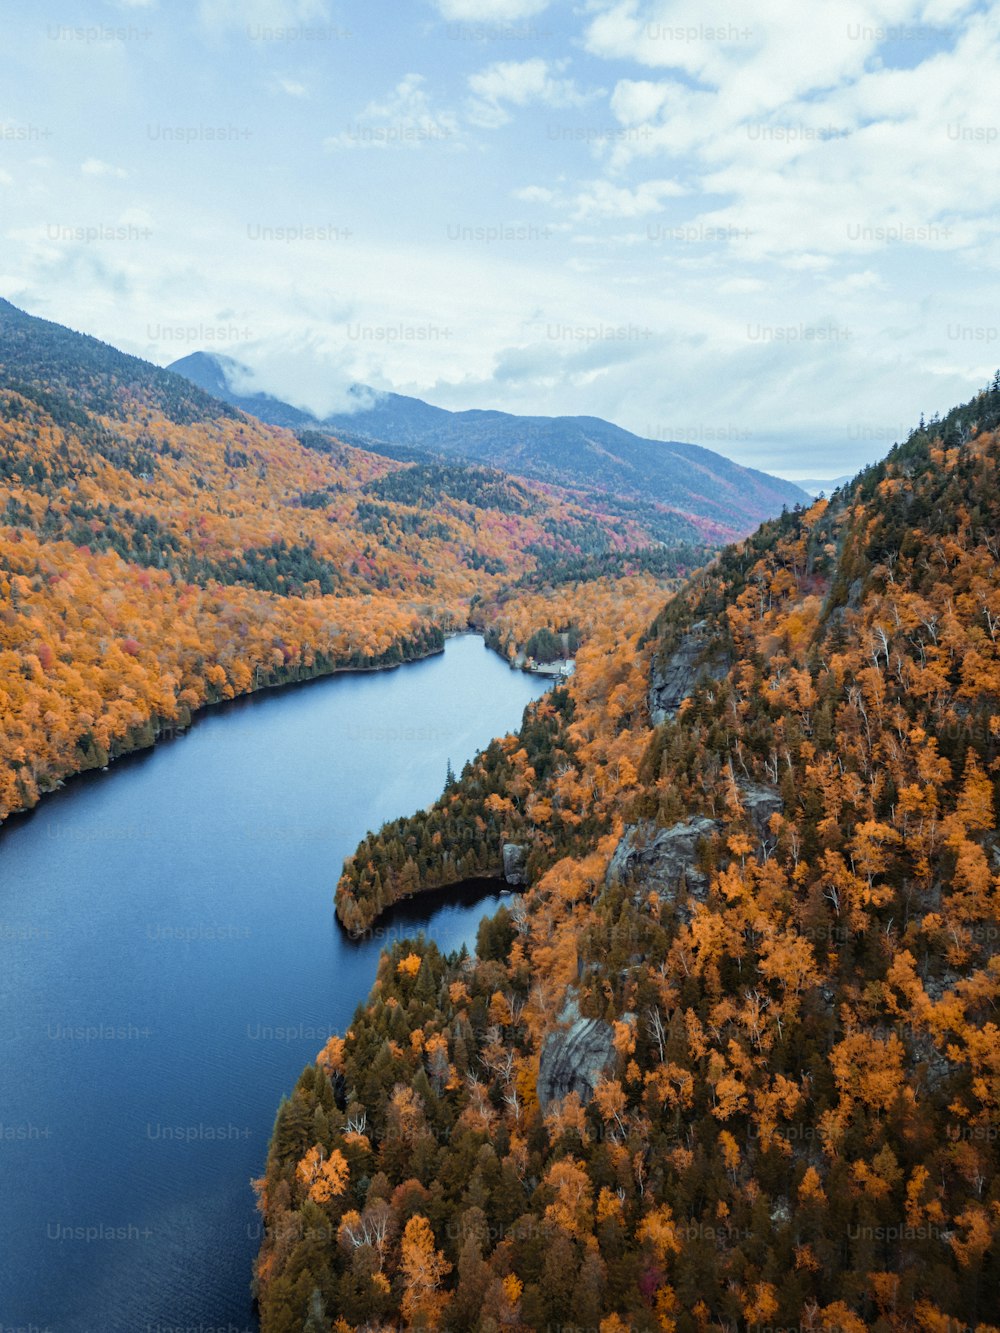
(166,733)
(426,902)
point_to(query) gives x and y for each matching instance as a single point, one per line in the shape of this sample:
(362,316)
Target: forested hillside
(733,1061)
(160,551)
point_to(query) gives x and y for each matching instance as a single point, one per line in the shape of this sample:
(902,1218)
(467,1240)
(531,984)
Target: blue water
(170,961)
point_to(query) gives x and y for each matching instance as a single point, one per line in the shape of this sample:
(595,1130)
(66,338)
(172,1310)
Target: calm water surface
(170,961)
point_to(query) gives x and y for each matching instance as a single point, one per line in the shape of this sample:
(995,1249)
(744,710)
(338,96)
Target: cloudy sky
(770,228)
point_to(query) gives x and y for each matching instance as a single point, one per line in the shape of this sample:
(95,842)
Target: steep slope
(72,373)
(733,1062)
(582,453)
(160,551)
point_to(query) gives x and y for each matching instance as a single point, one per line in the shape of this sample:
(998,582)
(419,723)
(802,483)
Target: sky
(769,229)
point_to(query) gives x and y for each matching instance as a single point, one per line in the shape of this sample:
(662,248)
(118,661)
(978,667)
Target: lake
(171,961)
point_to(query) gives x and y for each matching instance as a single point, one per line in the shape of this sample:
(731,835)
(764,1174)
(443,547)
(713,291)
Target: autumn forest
(732,1061)
(729,1059)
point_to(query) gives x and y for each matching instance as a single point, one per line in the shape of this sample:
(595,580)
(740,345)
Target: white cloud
(520,83)
(811,141)
(137,217)
(535,194)
(636,102)
(862,281)
(782,48)
(602,199)
(741,286)
(292,87)
(305,367)
(527,334)
(782,55)
(95,167)
(489,11)
(406,119)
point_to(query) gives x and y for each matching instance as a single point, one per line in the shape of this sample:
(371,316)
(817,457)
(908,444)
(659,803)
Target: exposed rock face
(674,679)
(666,859)
(663,858)
(761,803)
(574,1061)
(515,864)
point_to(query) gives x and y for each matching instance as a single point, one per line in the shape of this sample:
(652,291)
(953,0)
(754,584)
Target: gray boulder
(515,864)
(674,678)
(666,859)
(575,1060)
(663,859)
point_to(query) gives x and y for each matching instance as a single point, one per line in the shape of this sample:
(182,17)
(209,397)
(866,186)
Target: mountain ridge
(579,452)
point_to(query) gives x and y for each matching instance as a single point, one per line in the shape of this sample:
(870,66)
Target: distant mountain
(582,453)
(823,485)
